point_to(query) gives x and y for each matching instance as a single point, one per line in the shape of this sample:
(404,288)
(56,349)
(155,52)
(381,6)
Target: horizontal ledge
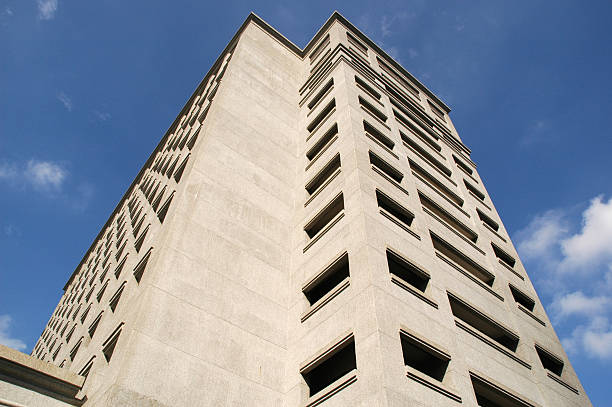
(398,223)
(455,231)
(563,383)
(468,275)
(401,283)
(323,120)
(322,187)
(332,389)
(492,344)
(375,117)
(479,200)
(490,229)
(326,299)
(391,180)
(432,385)
(526,311)
(387,149)
(507,267)
(437,191)
(324,231)
(320,153)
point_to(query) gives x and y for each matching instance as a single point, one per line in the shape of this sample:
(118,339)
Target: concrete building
(310,230)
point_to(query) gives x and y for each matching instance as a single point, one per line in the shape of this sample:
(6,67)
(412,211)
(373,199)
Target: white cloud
(576,303)
(592,246)
(387,22)
(66,101)
(7,171)
(47,9)
(8,11)
(413,53)
(5,337)
(102,116)
(541,235)
(594,339)
(45,174)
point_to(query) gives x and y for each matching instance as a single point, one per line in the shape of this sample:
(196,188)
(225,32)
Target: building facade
(311,230)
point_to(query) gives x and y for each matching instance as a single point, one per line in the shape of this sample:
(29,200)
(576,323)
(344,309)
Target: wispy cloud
(561,247)
(66,101)
(387,23)
(5,337)
(46,176)
(102,116)
(8,11)
(47,9)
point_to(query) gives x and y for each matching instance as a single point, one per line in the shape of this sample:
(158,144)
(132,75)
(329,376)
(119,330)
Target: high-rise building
(311,230)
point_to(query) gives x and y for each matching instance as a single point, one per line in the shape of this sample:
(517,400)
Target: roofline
(251,18)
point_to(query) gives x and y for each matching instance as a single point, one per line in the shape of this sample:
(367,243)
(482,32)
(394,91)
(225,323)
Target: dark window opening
(414,129)
(323,175)
(396,210)
(397,77)
(324,42)
(430,159)
(323,141)
(549,361)
(475,191)
(371,109)
(163,211)
(436,110)
(94,325)
(369,89)
(503,256)
(322,115)
(448,218)
(522,298)
(325,216)
(435,184)
(335,365)
(385,167)
(75,349)
(483,323)
(408,272)
(372,131)
(114,301)
(357,43)
(138,243)
(462,261)
(488,395)
(328,86)
(108,347)
(423,357)
(462,165)
(142,264)
(488,221)
(327,280)
(179,172)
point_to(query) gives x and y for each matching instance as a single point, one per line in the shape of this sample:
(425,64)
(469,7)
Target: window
(101,292)
(490,395)
(84,316)
(377,135)
(522,298)
(392,208)
(406,271)
(70,333)
(323,142)
(475,191)
(94,325)
(323,114)
(487,221)
(163,211)
(331,366)
(385,168)
(75,349)
(430,159)
(179,171)
(108,347)
(385,67)
(367,88)
(119,267)
(327,280)
(138,243)
(368,107)
(462,165)
(549,361)
(503,256)
(447,218)
(436,185)
(325,216)
(423,357)
(436,110)
(323,175)
(317,51)
(414,129)
(482,323)
(354,41)
(142,264)
(463,262)
(87,368)
(322,93)
(116,297)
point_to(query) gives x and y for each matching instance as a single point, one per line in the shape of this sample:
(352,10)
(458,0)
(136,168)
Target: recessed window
(462,165)
(415,130)
(354,41)
(84,315)
(386,168)
(75,349)
(474,190)
(481,322)
(490,395)
(372,110)
(101,292)
(522,298)
(70,333)
(314,124)
(407,271)
(327,280)
(367,88)
(447,218)
(108,347)
(461,260)
(119,267)
(393,208)
(335,363)
(323,175)
(323,142)
(423,357)
(179,171)
(94,325)
(549,361)
(87,368)
(321,94)
(163,211)
(376,134)
(138,243)
(503,256)
(429,159)
(323,218)
(142,264)
(488,221)
(435,184)
(437,111)
(317,51)
(116,297)
(385,67)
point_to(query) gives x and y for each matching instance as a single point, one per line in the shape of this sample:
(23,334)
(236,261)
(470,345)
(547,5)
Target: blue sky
(88,88)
